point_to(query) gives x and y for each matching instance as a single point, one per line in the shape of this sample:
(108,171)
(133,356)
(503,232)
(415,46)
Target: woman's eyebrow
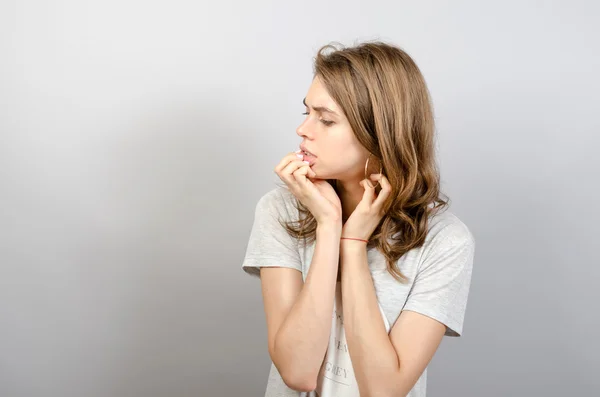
(320,108)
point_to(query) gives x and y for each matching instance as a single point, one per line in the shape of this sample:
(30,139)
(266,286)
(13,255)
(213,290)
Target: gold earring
(367,165)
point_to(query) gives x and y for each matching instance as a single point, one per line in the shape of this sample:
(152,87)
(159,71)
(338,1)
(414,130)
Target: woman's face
(329,137)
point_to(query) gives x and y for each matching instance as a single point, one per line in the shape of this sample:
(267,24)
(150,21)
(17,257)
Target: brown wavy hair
(383,94)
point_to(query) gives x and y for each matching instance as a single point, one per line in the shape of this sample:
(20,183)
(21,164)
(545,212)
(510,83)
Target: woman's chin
(320,174)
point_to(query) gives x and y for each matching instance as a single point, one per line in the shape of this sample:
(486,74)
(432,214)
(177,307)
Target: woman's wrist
(350,244)
(330,228)
(354,239)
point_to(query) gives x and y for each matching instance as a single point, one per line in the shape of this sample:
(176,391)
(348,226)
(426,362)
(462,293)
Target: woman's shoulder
(277,195)
(446,225)
(278,200)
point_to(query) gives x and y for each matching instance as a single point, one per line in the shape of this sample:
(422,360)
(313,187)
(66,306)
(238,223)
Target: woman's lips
(310,158)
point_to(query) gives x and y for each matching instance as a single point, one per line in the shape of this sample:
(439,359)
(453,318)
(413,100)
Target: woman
(362,266)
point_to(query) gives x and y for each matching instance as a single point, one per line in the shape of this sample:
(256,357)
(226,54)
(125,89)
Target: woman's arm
(299,315)
(384,365)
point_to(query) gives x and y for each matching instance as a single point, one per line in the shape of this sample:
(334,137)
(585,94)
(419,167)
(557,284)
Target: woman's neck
(350,194)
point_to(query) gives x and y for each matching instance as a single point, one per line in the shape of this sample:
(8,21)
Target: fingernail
(299,156)
(298,151)
(306,162)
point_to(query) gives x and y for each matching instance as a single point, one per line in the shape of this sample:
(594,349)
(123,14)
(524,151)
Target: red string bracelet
(350,238)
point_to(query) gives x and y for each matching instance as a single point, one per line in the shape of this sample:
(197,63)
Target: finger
(286,160)
(386,189)
(303,173)
(369,193)
(301,181)
(288,171)
(286,174)
(292,156)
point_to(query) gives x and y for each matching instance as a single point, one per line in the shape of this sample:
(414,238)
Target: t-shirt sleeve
(441,286)
(269,244)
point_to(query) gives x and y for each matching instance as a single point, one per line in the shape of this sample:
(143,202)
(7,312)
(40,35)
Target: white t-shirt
(439,274)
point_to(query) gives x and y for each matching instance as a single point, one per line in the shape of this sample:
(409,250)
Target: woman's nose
(302,130)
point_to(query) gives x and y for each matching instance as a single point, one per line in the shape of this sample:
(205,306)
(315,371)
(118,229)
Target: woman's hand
(316,194)
(368,213)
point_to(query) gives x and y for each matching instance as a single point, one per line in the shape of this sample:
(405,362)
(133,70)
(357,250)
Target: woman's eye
(326,122)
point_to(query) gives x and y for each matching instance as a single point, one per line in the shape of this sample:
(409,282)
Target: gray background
(137,137)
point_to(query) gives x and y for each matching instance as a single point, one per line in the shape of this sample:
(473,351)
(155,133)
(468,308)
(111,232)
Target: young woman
(363,268)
